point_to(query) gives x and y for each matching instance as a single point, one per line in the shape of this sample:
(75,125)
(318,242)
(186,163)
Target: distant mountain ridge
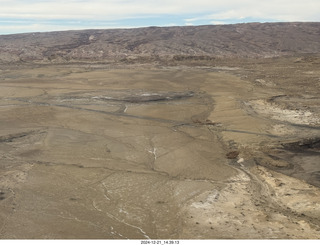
(172,43)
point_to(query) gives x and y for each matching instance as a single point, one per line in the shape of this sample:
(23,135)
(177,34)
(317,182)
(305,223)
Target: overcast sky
(18,16)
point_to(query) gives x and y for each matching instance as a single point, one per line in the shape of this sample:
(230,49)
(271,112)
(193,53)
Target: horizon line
(155,26)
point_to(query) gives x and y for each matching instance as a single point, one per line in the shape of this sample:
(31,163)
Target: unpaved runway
(167,152)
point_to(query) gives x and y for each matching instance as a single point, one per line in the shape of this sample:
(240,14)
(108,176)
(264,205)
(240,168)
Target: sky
(20,16)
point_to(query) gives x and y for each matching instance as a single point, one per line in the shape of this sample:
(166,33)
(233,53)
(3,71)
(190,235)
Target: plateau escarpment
(156,44)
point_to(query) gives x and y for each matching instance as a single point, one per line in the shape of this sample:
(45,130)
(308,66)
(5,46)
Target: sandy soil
(160,152)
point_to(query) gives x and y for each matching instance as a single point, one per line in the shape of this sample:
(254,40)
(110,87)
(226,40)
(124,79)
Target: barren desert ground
(161,152)
(228,149)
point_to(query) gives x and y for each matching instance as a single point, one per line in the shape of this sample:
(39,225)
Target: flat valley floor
(222,151)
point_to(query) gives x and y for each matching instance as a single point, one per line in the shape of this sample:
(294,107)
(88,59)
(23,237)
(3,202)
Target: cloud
(44,12)
(280,10)
(112,9)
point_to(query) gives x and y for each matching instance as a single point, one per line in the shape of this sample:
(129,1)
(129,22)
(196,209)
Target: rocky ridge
(258,40)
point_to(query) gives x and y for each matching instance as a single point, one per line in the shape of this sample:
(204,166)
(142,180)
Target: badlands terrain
(207,132)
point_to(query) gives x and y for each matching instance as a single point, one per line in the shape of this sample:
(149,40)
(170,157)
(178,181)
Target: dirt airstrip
(229,150)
